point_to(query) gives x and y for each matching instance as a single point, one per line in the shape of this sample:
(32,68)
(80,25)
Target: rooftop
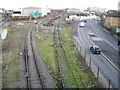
(31,7)
(113,14)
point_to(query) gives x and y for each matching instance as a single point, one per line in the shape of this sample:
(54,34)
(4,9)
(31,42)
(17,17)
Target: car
(95,49)
(92,34)
(85,21)
(82,24)
(98,19)
(20,24)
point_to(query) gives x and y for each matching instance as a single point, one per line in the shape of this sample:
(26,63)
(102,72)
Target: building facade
(74,10)
(31,11)
(96,9)
(112,19)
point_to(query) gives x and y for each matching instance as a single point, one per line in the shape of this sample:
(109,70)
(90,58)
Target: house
(31,11)
(112,19)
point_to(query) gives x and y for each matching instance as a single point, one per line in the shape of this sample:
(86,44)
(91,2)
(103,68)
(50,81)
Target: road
(107,61)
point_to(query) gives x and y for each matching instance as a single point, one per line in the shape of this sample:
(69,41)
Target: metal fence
(98,72)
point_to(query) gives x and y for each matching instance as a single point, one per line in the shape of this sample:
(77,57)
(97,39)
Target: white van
(82,24)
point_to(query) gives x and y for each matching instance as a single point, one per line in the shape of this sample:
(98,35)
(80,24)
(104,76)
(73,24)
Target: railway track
(57,44)
(65,76)
(32,69)
(65,67)
(62,61)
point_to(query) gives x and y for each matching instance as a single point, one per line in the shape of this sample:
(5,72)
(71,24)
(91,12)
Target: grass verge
(78,76)
(10,50)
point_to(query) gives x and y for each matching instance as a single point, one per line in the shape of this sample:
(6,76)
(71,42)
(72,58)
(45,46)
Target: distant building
(45,11)
(72,10)
(31,11)
(96,9)
(112,19)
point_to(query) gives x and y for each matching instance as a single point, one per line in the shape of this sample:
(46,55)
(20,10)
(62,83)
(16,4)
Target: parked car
(95,49)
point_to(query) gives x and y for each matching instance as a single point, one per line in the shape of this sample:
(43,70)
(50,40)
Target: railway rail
(33,72)
(57,44)
(63,62)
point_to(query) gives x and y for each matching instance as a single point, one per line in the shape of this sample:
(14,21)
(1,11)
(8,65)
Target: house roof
(113,14)
(31,7)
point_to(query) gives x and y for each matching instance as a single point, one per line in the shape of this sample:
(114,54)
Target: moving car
(95,49)
(82,24)
(20,24)
(85,21)
(35,21)
(98,19)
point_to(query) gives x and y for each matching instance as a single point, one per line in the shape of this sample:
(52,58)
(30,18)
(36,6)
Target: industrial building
(96,9)
(32,11)
(28,12)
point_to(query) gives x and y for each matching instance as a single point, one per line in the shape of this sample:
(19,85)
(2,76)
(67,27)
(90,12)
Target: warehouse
(26,13)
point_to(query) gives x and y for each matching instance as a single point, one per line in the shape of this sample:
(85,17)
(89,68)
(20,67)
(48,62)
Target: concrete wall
(28,11)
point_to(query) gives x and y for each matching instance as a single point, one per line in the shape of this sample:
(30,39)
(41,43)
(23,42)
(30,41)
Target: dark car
(95,49)
(85,21)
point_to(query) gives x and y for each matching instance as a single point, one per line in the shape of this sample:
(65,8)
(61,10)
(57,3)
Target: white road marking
(96,39)
(104,55)
(107,41)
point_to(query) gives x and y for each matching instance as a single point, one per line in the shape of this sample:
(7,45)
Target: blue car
(95,49)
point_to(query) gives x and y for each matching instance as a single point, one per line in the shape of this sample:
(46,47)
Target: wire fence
(98,72)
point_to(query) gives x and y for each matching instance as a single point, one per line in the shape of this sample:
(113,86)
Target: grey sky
(59,4)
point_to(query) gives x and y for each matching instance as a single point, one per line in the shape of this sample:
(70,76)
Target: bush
(32,18)
(112,30)
(118,34)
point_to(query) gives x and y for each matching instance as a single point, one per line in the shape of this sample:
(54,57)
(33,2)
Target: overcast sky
(59,4)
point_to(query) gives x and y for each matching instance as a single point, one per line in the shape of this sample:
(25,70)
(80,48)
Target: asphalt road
(108,60)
